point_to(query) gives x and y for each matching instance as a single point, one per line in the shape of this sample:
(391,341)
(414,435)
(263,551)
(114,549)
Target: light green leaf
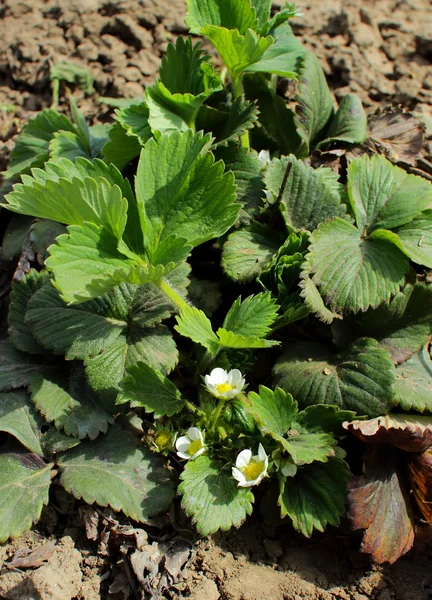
(121,147)
(307,447)
(232,14)
(147,388)
(252,317)
(22,291)
(68,145)
(353,273)
(384,196)
(229,339)
(310,196)
(274,411)
(283,57)
(349,124)
(361,379)
(416,239)
(71,405)
(135,121)
(32,146)
(315,103)
(262,9)
(164,108)
(117,471)
(24,485)
(211,496)
(18,368)
(414,383)
(19,418)
(194,324)
(315,497)
(249,251)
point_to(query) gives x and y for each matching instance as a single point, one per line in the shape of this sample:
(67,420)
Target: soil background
(380,50)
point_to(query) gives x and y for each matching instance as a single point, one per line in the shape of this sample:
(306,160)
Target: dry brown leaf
(420,472)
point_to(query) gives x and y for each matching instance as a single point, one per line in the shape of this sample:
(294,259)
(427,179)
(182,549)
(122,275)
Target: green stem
(214,418)
(238,93)
(172,294)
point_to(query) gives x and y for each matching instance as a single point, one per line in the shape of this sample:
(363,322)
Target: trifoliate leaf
(194,324)
(147,388)
(353,273)
(70,403)
(19,418)
(228,122)
(315,497)
(121,147)
(384,196)
(181,191)
(416,239)
(22,291)
(249,251)
(414,383)
(211,496)
(117,471)
(237,14)
(349,124)
(229,339)
(402,327)
(32,146)
(380,504)
(252,317)
(283,57)
(274,411)
(315,103)
(361,380)
(24,485)
(310,195)
(18,368)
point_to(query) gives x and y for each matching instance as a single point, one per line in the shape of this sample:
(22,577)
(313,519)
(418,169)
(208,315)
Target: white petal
(262,456)
(194,433)
(234,377)
(183,443)
(197,453)
(211,388)
(246,484)
(183,455)
(244,458)
(218,376)
(239,476)
(207,380)
(289,469)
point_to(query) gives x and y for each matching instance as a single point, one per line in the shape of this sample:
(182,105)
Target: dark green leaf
(18,368)
(416,239)
(414,383)
(19,418)
(349,124)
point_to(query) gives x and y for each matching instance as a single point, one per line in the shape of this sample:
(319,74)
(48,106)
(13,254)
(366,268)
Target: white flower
(270,199)
(225,385)
(250,470)
(191,445)
(264,158)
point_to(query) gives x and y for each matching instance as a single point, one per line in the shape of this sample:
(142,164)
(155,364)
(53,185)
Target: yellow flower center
(163,439)
(252,470)
(194,447)
(223,387)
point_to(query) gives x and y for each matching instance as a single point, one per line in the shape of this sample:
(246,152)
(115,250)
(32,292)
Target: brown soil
(380,50)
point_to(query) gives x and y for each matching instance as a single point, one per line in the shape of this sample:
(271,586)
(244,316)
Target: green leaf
(315,103)
(283,57)
(32,146)
(55,440)
(16,232)
(194,324)
(262,9)
(117,471)
(249,251)
(68,145)
(349,124)
(71,405)
(181,191)
(211,496)
(229,339)
(353,273)
(121,147)
(310,195)
(274,411)
(315,497)
(384,196)
(361,379)
(24,485)
(414,383)
(22,291)
(252,317)
(147,388)
(312,299)
(19,418)
(232,14)
(135,121)
(322,417)
(228,122)
(18,368)
(43,233)
(416,239)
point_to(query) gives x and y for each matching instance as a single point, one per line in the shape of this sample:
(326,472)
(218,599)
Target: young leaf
(353,273)
(315,497)
(147,388)
(211,496)
(229,339)
(384,196)
(121,147)
(194,324)
(68,145)
(18,368)
(117,471)
(315,103)
(181,191)
(414,383)
(249,251)
(310,195)
(273,411)
(135,121)
(252,317)
(416,239)
(232,14)
(349,125)
(380,504)
(228,122)
(71,405)
(361,380)
(24,482)
(19,418)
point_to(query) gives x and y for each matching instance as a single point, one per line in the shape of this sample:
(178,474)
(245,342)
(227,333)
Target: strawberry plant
(211,312)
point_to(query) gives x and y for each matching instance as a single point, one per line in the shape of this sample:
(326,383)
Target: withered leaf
(379,503)
(411,433)
(34,559)
(420,473)
(396,134)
